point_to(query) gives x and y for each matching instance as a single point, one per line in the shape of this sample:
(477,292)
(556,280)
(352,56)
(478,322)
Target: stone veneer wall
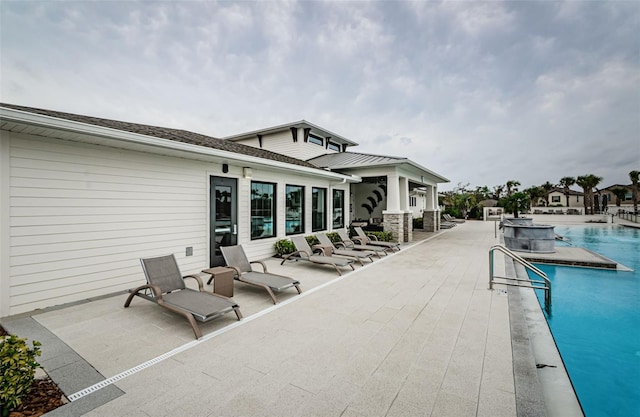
(408,227)
(430,221)
(393,222)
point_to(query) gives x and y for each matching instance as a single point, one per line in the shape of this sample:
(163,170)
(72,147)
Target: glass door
(223,221)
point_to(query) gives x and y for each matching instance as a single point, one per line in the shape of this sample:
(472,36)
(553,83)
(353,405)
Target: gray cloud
(481,92)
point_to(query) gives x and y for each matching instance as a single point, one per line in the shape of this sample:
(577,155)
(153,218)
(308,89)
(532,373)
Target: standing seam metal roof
(352,159)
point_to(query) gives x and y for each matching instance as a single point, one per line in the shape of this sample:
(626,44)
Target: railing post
(545,281)
(491,269)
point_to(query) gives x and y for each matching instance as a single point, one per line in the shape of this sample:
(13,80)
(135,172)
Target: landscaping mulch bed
(43,397)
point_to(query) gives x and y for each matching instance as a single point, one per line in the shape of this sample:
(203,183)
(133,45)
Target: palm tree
(588,183)
(547,187)
(565,183)
(497,192)
(535,193)
(633,175)
(511,186)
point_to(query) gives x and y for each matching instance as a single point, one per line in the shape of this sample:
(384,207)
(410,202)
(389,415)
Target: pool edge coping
(549,391)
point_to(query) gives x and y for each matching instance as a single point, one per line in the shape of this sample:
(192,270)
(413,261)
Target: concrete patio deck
(413,334)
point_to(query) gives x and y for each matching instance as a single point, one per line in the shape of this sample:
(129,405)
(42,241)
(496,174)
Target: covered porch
(390,203)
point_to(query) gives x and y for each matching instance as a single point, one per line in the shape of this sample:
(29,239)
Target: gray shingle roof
(167,133)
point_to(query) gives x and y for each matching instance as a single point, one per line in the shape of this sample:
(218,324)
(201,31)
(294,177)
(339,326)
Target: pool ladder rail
(538,284)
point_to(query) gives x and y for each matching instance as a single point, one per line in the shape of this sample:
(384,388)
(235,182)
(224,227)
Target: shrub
(417,223)
(284,247)
(17,370)
(334,237)
(382,236)
(312,240)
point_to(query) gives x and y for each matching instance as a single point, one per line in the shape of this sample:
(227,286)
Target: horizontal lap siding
(82,216)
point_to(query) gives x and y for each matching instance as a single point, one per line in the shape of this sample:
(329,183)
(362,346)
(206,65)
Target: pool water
(595,320)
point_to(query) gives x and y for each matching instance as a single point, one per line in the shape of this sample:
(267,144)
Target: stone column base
(394,222)
(408,227)
(430,221)
(400,225)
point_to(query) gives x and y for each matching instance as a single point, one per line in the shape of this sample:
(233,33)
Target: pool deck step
(572,256)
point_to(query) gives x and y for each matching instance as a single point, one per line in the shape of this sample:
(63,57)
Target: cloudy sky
(479,92)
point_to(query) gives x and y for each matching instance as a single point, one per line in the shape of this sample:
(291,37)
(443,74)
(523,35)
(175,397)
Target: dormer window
(334,147)
(316,140)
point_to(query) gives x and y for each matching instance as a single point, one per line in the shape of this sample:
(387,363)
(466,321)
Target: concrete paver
(414,334)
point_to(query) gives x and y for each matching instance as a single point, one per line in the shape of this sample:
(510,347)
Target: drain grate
(129,372)
(95,387)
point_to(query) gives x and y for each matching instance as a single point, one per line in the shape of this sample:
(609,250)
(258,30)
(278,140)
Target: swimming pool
(595,320)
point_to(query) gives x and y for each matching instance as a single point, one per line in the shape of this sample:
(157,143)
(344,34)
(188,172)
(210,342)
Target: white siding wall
(282,142)
(78,217)
(81,216)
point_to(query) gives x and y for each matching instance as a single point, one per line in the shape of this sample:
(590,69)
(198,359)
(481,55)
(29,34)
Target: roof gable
(354,160)
(313,129)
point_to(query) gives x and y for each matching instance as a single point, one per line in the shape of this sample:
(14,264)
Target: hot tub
(534,238)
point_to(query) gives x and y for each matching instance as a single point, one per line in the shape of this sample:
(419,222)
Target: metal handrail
(544,284)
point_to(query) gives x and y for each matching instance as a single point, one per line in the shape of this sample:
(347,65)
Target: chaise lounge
(363,238)
(329,249)
(452,219)
(305,253)
(350,244)
(166,287)
(236,258)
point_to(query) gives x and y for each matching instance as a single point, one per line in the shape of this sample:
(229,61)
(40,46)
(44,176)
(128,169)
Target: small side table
(222,278)
(327,250)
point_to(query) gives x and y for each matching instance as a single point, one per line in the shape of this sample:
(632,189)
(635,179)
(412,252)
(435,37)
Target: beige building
(558,198)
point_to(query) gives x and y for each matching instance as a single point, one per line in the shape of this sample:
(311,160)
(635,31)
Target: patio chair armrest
(373,237)
(198,279)
(236,270)
(300,253)
(359,240)
(264,266)
(157,293)
(340,245)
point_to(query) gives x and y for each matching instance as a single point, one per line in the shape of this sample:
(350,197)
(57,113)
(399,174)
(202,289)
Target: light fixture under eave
(247,172)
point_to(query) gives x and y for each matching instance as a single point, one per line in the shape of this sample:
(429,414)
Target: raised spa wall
(521,234)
